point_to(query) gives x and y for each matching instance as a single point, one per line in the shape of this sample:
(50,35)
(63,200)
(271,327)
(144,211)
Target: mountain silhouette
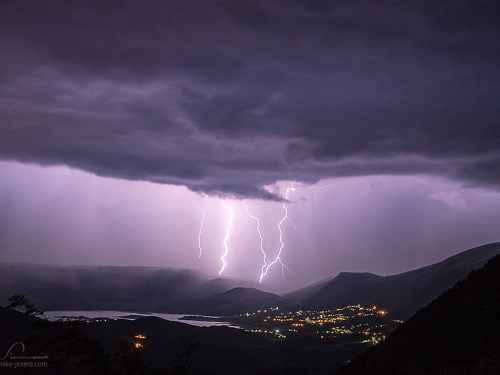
(457,333)
(402,294)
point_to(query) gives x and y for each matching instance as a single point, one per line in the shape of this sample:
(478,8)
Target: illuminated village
(350,324)
(355,323)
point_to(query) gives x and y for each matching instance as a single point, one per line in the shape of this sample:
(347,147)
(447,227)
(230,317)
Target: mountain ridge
(401,294)
(171,290)
(456,333)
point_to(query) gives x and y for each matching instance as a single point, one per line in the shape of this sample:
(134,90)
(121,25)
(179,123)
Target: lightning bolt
(281,244)
(321,187)
(261,241)
(201,226)
(229,230)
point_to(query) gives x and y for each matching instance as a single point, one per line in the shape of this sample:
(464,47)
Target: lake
(107,314)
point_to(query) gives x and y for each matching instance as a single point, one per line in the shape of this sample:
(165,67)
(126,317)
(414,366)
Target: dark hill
(218,350)
(237,301)
(246,294)
(111,288)
(401,294)
(14,327)
(301,294)
(344,290)
(458,333)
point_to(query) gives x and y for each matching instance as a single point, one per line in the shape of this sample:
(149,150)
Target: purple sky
(394,104)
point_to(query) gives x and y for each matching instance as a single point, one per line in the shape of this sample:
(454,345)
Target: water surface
(109,314)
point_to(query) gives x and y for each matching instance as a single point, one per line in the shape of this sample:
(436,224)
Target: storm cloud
(229,97)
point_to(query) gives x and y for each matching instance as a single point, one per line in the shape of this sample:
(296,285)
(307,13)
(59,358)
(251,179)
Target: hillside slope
(303,293)
(457,333)
(403,294)
(237,301)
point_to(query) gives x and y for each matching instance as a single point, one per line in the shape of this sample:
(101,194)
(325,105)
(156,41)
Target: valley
(286,334)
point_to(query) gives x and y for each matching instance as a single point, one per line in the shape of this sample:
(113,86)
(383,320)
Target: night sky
(121,121)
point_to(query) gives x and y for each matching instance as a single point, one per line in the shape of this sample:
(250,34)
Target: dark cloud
(227,97)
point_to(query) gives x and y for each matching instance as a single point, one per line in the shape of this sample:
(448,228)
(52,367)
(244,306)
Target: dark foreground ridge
(458,333)
(152,345)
